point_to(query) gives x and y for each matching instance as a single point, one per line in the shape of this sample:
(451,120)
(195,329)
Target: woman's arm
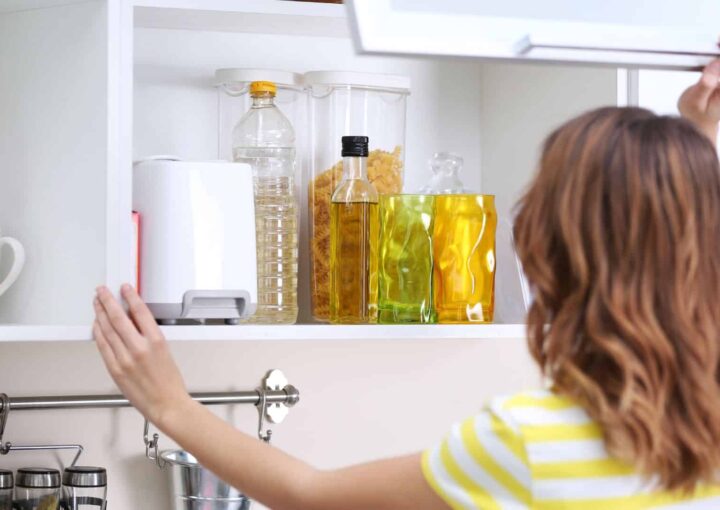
(137,357)
(700,103)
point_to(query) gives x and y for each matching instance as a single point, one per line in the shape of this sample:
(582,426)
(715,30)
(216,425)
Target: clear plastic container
(6,489)
(84,488)
(265,139)
(37,489)
(349,104)
(233,91)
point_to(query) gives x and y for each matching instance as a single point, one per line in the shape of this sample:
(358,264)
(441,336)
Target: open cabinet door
(660,34)
(62,138)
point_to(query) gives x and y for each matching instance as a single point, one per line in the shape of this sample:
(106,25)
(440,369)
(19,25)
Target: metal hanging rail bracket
(273,400)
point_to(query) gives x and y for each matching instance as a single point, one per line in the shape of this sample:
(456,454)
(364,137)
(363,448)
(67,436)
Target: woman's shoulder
(541,412)
(533,399)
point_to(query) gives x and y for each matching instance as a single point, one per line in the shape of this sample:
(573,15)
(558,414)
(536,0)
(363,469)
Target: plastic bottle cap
(259,87)
(355,146)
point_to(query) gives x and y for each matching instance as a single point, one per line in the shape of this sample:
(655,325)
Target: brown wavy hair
(619,237)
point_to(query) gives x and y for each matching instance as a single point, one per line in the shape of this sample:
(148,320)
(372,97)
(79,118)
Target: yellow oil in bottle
(353,262)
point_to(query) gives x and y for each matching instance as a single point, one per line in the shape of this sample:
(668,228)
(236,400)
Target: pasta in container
(349,104)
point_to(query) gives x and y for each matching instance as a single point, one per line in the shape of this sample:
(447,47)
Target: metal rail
(288,396)
(273,400)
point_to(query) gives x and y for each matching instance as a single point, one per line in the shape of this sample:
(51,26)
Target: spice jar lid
(6,479)
(85,476)
(38,478)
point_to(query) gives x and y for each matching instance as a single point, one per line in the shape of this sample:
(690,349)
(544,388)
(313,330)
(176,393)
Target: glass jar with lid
(37,489)
(84,488)
(349,104)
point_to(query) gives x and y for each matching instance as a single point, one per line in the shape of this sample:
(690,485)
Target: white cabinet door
(662,34)
(61,139)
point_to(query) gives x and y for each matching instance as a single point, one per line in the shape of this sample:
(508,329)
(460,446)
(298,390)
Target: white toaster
(197,240)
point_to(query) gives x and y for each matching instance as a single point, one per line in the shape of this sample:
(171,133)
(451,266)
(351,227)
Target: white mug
(18,262)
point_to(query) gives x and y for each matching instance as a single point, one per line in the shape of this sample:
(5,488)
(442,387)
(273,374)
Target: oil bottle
(265,139)
(353,239)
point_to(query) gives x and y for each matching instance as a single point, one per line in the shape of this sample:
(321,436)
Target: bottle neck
(354,167)
(263,101)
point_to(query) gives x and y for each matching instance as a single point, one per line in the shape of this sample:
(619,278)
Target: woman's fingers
(141,314)
(119,320)
(710,79)
(111,337)
(106,351)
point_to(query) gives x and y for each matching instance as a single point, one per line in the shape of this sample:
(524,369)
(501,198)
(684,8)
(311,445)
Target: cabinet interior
(494,114)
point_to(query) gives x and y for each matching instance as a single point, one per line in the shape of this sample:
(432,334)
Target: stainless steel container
(196,488)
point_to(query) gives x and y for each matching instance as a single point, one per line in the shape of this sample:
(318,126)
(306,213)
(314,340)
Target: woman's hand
(137,356)
(700,103)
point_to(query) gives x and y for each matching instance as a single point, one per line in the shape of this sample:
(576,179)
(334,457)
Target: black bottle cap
(356,146)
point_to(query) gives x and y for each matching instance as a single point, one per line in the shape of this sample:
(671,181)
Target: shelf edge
(315,332)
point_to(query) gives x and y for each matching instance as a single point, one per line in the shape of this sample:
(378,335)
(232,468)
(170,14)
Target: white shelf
(253,16)
(328,332)
(17,333)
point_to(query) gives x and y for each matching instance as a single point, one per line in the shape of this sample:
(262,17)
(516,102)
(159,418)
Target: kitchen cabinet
(89,86)
(643,33)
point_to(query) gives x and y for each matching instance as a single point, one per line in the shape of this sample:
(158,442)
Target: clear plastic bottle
(265,139)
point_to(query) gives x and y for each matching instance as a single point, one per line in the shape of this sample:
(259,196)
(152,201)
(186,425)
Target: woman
(619,235)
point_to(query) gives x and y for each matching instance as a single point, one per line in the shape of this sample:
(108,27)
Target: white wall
(520,105)
(176,103)
(659,90)
(359,400)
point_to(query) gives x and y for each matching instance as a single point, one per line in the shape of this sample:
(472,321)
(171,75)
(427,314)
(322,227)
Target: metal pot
(196,488)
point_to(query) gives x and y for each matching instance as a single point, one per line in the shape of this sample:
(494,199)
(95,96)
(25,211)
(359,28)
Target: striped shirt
(539,451)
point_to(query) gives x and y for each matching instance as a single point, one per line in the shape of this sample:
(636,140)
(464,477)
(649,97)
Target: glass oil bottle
(354,231)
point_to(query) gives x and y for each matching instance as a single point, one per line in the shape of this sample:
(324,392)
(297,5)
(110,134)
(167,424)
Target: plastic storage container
(84,488)
(6,489)
(233,90)
(349,104)
(37,489)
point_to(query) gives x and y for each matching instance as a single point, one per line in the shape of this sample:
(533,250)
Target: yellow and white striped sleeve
(481,464)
